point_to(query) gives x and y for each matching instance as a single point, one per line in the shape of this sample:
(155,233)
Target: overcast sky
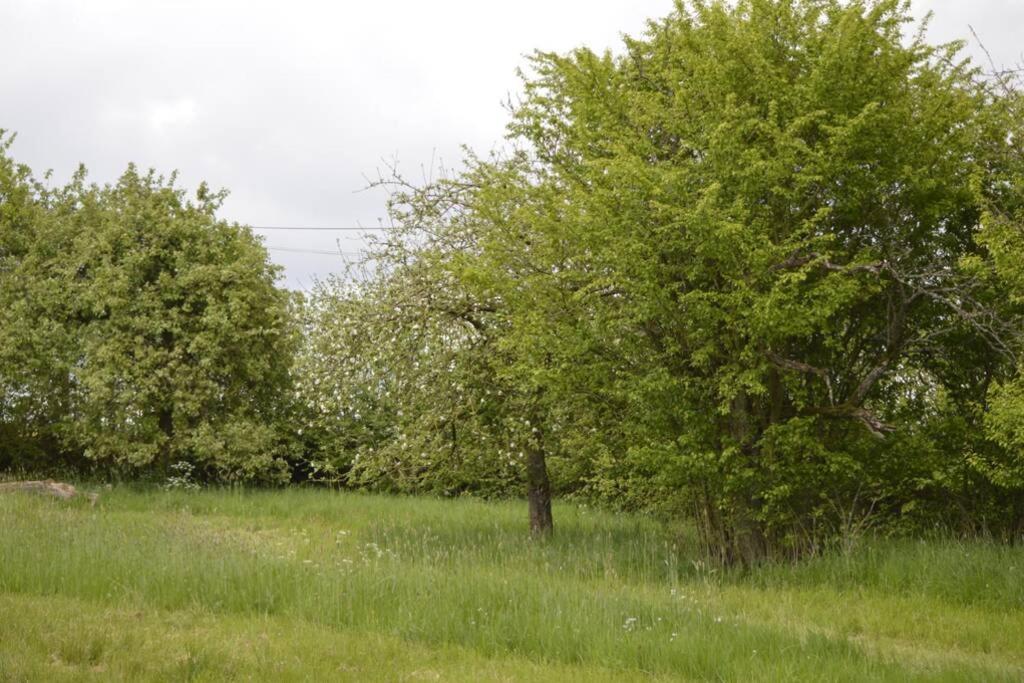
(292,105)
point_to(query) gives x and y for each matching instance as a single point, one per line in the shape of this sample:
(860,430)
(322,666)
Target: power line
(325,252)
(300,227)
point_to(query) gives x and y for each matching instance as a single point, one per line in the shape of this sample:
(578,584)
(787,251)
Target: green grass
(314,585)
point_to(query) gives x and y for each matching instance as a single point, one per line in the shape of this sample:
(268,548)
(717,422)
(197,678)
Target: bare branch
(787,364)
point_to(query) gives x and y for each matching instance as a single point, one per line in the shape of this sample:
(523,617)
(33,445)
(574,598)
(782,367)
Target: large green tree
(139,330)
(738,268)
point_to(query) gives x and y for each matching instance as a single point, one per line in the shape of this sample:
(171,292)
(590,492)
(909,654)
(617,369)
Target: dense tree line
(763,270)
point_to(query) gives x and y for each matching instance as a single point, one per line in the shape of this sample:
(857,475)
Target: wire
(297,227)
(315,251)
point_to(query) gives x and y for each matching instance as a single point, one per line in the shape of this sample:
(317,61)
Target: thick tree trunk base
(542,523)
(538,493)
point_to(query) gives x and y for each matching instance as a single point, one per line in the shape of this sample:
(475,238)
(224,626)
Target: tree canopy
(761,269)
(138,330)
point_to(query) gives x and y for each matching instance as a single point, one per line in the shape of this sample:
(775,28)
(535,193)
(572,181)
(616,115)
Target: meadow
(213,585)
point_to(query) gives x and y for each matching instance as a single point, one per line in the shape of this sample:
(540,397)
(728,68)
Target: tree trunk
(748,544)
(538,492)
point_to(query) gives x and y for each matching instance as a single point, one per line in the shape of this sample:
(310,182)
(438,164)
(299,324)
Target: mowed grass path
(316,585)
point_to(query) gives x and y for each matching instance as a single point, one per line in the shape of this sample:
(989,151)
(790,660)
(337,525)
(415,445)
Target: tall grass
(612,591)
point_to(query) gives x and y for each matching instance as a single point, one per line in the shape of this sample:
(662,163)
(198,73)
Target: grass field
(314,585)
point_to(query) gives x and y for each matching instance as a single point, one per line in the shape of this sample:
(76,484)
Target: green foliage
(138,330)
(1001,233)
(399,392)
(757,269)
(762,269)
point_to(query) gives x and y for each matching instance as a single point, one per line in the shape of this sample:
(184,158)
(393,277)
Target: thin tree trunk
(538,492)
